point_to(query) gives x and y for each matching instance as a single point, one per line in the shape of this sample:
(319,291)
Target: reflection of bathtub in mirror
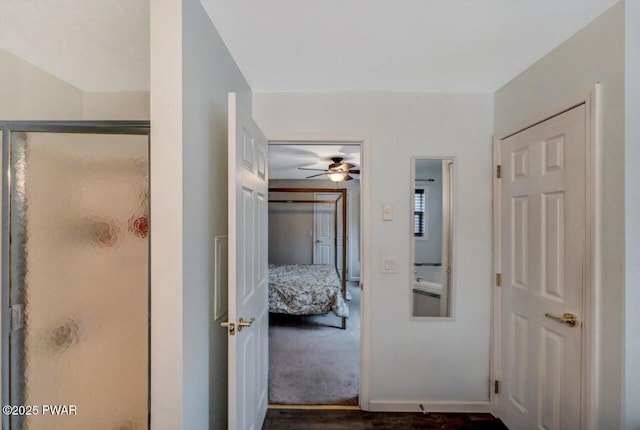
(428,291)
(430,288)
(429,272)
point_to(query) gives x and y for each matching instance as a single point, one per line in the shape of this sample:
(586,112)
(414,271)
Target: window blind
(418,212)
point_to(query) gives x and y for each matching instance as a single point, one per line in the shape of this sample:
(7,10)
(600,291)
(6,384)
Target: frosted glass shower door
(79,280)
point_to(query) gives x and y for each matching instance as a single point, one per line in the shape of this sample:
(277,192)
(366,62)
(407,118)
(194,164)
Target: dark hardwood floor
(288,419)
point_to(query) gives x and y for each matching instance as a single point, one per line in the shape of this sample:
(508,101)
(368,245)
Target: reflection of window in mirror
(420,198)
(431,252)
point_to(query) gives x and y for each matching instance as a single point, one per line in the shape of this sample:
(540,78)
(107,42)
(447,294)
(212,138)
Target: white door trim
(365,241)
(592,286)
(350,258)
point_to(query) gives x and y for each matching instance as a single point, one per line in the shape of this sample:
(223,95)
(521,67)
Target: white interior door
(324,230)
(543,243)
(248,316)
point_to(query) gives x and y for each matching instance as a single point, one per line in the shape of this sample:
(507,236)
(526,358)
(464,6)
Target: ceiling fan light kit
(337,171)
(337,176)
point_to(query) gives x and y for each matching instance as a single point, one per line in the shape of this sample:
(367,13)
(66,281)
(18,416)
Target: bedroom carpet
(312,361)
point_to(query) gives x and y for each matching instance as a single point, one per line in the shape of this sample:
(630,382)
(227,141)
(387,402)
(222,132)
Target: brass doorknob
(569,319)
(243,323)
(318,241)
(231,327)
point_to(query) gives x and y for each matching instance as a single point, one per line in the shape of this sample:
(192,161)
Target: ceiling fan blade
(313,176)
(348,178)
(354,171)
(347,166)
(307,168)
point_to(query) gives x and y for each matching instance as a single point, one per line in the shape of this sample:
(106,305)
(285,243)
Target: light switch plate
(389,265)
(387,212)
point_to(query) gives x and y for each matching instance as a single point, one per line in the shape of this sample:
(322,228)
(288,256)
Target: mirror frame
(450,237)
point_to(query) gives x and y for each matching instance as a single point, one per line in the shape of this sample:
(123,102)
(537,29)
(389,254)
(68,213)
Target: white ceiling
(284,159)
(95,45)
(306,45)
(393,45)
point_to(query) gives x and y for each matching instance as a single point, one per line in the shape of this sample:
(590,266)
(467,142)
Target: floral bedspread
(305,289)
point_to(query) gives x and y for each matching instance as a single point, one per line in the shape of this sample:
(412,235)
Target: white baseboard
(429,406)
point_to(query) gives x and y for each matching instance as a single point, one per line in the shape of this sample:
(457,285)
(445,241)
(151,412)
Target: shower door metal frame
(142,128)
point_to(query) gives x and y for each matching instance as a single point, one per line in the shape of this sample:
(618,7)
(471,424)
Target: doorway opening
(314,273)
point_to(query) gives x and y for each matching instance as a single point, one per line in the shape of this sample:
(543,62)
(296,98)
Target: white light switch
(387,212)
(389,265)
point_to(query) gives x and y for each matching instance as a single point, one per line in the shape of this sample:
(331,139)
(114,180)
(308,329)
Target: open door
(247,326)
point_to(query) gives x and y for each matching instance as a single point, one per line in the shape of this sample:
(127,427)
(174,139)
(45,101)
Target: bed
(312,289)
(306,289)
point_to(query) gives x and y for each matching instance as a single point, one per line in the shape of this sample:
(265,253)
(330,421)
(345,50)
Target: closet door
(543,210)
(324,219)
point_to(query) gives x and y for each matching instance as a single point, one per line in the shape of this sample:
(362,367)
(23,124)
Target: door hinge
(496,387)
(498,279)
(498,171)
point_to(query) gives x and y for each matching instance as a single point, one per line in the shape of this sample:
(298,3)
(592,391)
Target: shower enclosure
(75,275)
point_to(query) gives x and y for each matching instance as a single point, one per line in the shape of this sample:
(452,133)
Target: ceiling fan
(337,171)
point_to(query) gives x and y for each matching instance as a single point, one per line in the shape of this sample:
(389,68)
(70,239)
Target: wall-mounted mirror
(431,236)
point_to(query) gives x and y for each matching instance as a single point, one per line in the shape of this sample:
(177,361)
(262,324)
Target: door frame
(86,127)
(592,284)
(365,240)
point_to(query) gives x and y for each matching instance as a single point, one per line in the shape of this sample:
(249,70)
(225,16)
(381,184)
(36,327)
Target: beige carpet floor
(312,361)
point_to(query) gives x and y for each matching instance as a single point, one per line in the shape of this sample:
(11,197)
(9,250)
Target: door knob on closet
(243,323)
(317,240)
(568,319)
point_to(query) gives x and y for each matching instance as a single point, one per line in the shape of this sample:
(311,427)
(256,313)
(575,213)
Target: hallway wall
(433,363)
(209,73)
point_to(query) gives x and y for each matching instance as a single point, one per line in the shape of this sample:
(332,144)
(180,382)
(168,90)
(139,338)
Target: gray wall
(209,73)
(632,215)
(594,54)
(290,225)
